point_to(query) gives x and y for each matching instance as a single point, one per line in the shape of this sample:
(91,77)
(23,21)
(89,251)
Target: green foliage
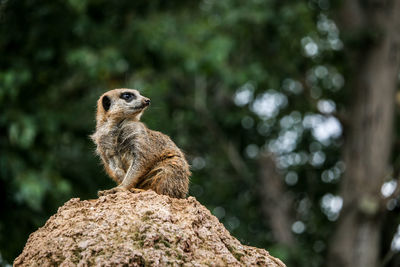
(193,59)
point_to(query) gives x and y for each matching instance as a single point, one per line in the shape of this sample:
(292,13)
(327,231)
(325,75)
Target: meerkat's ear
(106,102)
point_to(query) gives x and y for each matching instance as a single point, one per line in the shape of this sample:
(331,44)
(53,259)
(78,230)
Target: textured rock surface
(143,229)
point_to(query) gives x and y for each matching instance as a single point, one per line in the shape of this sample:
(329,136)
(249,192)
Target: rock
(143,229)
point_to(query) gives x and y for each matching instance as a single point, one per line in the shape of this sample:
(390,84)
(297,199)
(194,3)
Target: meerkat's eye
(128,96)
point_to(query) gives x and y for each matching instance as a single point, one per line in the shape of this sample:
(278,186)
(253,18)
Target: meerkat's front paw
(136,190)
(111,191)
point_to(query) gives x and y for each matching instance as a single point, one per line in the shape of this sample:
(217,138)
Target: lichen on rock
(143,229)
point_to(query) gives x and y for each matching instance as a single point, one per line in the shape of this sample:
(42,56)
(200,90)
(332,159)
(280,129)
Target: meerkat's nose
(147,101)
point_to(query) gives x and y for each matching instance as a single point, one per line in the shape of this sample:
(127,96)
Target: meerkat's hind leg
(171,181)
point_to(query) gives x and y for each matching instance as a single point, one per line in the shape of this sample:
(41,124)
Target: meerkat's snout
(144,103)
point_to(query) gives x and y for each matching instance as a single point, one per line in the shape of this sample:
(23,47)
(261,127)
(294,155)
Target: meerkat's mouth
(142,106)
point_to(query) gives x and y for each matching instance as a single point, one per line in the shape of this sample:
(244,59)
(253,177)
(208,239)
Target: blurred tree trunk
(375,59)
(277,204)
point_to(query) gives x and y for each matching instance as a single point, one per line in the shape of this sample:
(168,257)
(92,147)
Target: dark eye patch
(127,96)
(106,102)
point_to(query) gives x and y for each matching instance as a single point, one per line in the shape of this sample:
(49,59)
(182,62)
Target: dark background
(258,94)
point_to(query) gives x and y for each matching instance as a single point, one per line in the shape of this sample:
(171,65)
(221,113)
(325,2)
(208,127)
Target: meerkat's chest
(107,141)
(119,141)
(113,154)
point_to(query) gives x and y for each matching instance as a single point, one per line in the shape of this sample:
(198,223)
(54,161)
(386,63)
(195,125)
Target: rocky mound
(144,229)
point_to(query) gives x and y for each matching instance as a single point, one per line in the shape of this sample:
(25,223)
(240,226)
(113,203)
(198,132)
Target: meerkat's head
(121,104)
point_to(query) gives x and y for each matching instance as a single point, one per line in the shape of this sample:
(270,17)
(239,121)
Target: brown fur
(133,155)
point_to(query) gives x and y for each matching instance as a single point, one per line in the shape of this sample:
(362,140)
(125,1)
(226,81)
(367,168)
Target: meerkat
(134,156)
